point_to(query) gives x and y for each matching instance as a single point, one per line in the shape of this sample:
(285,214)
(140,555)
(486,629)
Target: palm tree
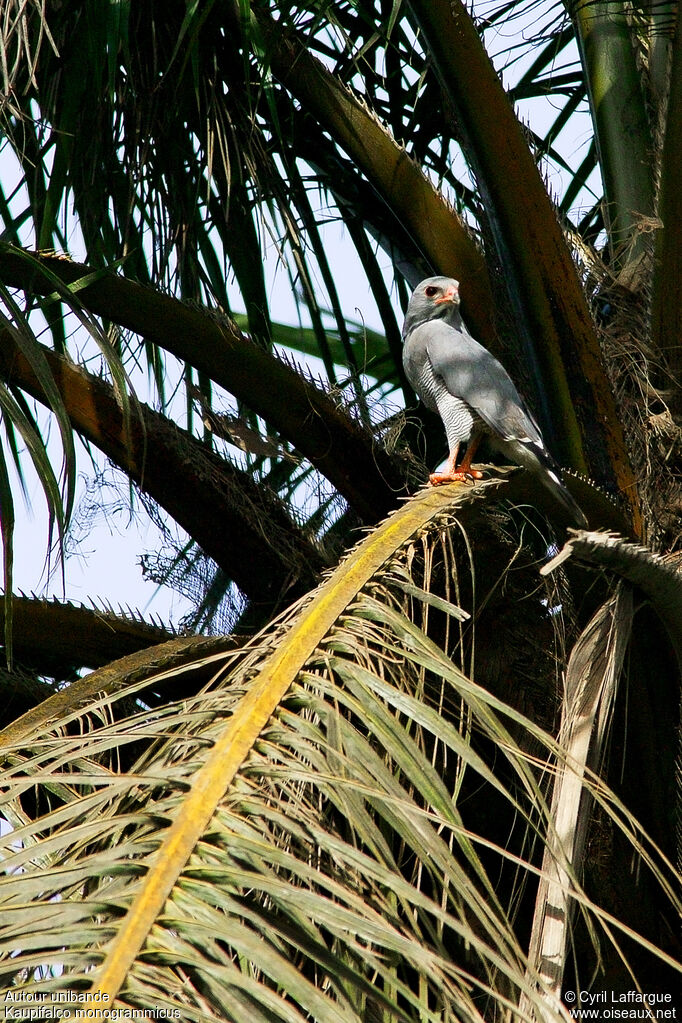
(429,775)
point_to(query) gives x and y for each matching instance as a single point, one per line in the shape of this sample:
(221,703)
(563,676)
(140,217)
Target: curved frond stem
(54,637)
(658,576)
(236,522)
(7,523)
(624,139)
(149,665)
(666,302)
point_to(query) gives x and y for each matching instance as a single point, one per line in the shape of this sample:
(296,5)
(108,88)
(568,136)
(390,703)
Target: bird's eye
(430,292)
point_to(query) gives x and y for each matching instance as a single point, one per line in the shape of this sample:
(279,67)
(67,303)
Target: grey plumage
(471,391)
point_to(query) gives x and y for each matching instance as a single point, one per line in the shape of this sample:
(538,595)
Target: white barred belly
(458,418)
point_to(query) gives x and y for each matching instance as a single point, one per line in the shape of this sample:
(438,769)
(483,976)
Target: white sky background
(105,567)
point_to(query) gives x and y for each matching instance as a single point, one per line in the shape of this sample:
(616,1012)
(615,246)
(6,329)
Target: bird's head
(436,298)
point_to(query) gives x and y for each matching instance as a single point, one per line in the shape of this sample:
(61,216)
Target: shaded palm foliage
(441,785)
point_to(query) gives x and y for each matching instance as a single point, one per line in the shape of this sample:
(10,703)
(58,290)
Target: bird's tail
(537,459)
(554,483)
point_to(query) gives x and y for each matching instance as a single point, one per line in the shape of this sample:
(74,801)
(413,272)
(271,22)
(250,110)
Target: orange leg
(465,474)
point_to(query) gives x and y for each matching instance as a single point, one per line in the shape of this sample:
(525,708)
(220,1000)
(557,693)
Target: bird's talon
(468,476)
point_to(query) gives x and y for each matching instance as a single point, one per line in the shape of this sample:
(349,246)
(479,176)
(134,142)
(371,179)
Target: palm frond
(295,840)
(590,690)
(658,576)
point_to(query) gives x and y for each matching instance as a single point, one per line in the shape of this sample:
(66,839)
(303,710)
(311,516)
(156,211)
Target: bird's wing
(470,372)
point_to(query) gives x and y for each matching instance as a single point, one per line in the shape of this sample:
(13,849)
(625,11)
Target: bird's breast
(458,418)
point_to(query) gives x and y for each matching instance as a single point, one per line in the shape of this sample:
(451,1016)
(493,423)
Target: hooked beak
(451,295)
